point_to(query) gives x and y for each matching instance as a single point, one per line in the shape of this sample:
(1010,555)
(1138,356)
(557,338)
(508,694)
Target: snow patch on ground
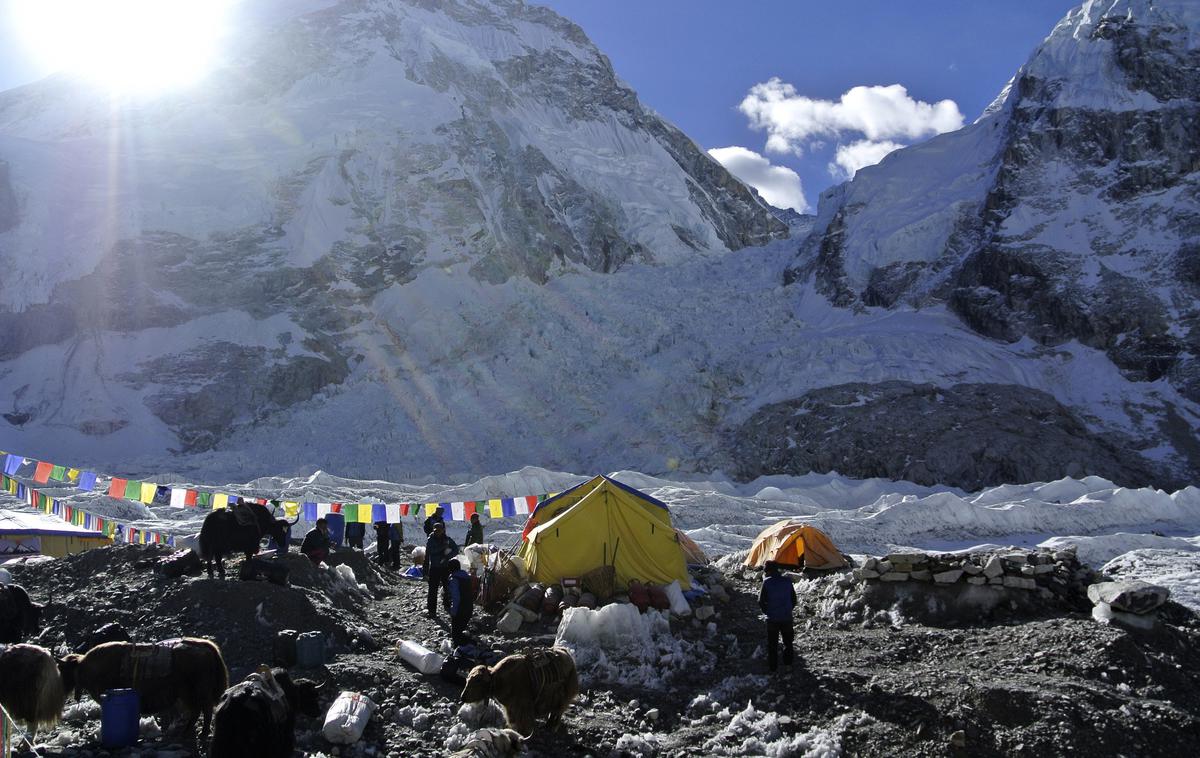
(618,645)
(762,733)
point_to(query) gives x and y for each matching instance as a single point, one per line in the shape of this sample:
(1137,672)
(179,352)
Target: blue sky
(697,61)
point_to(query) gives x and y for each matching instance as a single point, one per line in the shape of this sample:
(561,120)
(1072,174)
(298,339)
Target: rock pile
(1050,572)
(950,589)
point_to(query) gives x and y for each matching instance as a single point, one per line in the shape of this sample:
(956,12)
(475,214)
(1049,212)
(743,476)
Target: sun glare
(125,45)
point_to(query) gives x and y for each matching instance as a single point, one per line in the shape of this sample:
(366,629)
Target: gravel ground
(1054,683)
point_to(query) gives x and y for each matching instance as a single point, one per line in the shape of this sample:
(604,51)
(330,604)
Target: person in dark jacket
(777,599)
(460,587)
(397,539)
(316,543)
(438,516)
(439,550)
(383,541)
(355,531)
(475,532)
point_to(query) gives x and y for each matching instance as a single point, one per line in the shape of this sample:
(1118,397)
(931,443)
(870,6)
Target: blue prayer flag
(12,463)
(378,512)
(87,481)
(507,507)
(309,511)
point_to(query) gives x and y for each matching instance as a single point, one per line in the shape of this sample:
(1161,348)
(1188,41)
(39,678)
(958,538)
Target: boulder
(993,567)
(922,575)
(895,576)
(977,579)
(1105,614)
(509,623)
(866,573)
(972,569)
(910,559)
(1130,597)
(948,577)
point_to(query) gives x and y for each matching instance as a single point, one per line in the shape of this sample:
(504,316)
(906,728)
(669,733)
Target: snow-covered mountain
(1068,213)
(408,239)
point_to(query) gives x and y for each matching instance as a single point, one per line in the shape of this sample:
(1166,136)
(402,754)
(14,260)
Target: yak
(186,674)
(530,684)
(256,717)
(31,689)
(19,616)
(238,529)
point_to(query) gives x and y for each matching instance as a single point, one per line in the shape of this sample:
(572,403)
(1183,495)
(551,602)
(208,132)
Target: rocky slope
(1067,212)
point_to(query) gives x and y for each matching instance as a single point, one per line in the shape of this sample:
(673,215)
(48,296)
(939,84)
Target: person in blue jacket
(777,599)
(462,602)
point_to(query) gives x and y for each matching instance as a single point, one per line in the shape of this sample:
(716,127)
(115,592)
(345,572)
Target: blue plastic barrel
(310,650)
(119,718)
(337,527)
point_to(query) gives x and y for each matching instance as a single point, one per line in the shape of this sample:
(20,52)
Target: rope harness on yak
(545,667)
(149,661)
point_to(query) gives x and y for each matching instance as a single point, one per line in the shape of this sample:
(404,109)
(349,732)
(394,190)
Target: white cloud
(881,114)
(850,158)
(778,185)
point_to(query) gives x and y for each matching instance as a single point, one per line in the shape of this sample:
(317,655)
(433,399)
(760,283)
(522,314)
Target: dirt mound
(122,584)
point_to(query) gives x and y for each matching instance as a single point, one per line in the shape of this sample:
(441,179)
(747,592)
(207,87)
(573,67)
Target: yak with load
(186,675)
(239,529)
(256,717)
(19,616)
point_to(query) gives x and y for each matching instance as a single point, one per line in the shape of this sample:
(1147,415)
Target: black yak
(256,717)
(238,529)
(186,674)
(528,685)
(31,689)
(19,616)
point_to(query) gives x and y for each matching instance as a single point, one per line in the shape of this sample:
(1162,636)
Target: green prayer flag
(58,473)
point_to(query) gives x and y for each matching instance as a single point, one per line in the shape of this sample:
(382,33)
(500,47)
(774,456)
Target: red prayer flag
(117,488)
(468,509)
(531,501)
(189,499)
(41,474)
(404,509)
(335,507)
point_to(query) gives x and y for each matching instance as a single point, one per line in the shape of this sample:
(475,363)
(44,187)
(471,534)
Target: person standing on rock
(316,543)
(462,602)
(475,532)
(438,516)
(777,599)
(439,550)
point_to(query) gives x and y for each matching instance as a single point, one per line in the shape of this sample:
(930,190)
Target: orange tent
(787,542)
(692,553)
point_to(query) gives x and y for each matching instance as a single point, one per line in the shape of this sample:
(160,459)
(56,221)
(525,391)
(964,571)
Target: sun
(124,45)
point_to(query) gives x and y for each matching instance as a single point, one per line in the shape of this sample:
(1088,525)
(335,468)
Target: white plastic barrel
(421,658)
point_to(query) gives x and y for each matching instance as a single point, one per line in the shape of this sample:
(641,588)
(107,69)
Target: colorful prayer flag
(41,474)
(392,513)
(508,506)
(309,511)
(379,512)
(365,512)
(189,498)
(12,463)
(87,481)
(350,511)
(148,491)
(73,475)
(494,508)
(133,490)
(456,510)
(220,501)
(468,510)
(58,473)
(204,499)
(177,497)
(116,488)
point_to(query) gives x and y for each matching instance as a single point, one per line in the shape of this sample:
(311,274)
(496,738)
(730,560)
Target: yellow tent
(603,522)
(23,533)
(788,541)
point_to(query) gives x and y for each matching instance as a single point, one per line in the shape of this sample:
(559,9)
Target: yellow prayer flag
(291,510)
(430,508)
(220,500)
(147,493)
(72,475)
(495,508)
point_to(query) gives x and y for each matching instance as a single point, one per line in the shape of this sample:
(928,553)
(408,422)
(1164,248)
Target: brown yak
(31,689)
(186,674)
(528,685)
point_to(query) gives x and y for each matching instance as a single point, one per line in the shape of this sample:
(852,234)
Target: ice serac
(212,255)
(1068,211)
